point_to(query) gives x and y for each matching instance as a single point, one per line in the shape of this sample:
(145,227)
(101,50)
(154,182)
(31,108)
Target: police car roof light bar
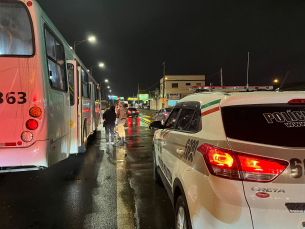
(230,88)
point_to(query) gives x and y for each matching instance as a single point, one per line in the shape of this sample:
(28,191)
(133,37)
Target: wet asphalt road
(107,187)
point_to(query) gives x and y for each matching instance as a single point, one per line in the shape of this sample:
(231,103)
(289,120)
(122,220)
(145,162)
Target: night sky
(192,36)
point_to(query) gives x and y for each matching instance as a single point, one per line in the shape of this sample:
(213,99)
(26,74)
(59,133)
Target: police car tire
(157,177)
(181,203)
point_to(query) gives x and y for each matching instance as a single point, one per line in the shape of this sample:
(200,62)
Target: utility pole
(163,104)
(221,80)
(248,72)
(138,93)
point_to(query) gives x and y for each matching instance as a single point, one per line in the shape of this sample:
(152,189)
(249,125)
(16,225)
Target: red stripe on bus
(210,111)
(10,144)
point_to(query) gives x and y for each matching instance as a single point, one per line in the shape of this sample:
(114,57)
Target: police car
(234,160)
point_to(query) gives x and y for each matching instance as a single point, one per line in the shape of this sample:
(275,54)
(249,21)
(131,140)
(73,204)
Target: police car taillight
(220,162)
(234,165)
(260,168)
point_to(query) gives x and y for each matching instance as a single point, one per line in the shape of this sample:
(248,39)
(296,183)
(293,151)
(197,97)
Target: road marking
(147,120)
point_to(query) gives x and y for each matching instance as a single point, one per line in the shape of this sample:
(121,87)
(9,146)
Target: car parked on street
(234,160)
(132,112)
(163,114)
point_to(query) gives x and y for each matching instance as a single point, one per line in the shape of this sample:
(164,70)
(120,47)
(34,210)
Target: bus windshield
(15,30)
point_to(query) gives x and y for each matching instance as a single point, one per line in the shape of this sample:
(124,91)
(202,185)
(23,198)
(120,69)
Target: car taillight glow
(256,168)
(31,124)
(138,111)
(220,162)
(240,166)
(165,114)
(35,112)
(298,101)
(129,112)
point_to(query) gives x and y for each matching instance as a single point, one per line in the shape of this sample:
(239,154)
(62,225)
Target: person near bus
(121,116)
(109,122)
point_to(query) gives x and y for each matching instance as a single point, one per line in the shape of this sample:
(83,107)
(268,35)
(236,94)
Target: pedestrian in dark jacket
(109,122)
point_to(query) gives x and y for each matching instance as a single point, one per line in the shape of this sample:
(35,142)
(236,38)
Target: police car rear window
(272,124)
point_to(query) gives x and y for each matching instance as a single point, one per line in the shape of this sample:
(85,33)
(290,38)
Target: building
(176,87)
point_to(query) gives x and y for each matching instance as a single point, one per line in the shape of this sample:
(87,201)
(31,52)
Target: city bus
(49,103)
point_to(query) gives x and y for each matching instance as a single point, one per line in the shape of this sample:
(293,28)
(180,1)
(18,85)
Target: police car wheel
(157,177)
(182,215)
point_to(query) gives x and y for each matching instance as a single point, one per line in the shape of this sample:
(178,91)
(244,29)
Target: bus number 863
(11,99)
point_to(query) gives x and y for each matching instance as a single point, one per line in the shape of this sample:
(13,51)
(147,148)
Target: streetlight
(101,65)
(109,90)
(106,81)
(276,81)
(91,39)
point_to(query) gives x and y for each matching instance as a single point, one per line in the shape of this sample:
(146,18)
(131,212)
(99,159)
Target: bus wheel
(85,139)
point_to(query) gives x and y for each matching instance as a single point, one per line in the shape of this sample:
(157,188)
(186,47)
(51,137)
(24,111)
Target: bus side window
(56,61)
(96,94)
(85,86)
(70,68)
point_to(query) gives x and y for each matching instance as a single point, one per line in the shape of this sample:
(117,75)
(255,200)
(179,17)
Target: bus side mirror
(156,125)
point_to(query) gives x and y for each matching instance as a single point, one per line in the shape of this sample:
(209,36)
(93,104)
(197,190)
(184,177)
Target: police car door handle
(180,152)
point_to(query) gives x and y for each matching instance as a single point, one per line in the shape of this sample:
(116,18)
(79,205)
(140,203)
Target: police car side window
(185,119)
(172,119)
(196,124)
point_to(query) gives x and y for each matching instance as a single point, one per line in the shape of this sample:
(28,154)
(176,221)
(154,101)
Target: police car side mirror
(156,125)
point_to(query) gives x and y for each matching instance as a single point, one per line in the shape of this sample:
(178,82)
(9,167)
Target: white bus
(49,104)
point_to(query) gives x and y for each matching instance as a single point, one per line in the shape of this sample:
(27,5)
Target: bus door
(92,108)
(73,91)
(97,106)
(79,107)
(93,86)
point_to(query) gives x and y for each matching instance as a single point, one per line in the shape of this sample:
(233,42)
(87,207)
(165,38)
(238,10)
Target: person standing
(121,115)
(109,122)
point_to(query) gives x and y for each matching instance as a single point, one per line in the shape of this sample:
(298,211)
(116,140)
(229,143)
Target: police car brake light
(296,101)
(220,162)
(260,168)
(234,165)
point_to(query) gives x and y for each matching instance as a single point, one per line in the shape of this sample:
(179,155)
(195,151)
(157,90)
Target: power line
(150,87)
(213,75)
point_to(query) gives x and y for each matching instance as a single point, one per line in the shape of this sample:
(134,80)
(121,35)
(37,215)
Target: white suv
(234,160)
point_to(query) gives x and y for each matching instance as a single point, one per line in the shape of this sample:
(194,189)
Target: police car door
(181,142)
(168,158)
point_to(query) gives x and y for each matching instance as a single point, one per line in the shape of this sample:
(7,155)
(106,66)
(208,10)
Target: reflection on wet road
(107,187)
